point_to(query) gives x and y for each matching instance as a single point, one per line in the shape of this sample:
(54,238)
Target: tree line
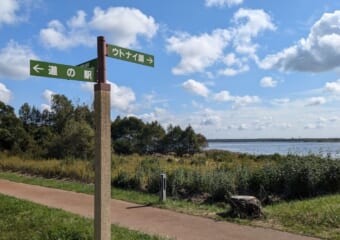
(67,131)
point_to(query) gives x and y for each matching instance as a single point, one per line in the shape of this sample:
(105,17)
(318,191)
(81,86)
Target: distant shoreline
(276,140)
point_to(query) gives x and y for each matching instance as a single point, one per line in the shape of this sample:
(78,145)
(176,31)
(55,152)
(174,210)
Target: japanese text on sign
(130,55)
(54,70)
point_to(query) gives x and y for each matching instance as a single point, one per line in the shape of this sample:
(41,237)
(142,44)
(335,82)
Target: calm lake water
(299,148)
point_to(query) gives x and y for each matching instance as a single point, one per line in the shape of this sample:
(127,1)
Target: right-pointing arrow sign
(149,60)
(130,55)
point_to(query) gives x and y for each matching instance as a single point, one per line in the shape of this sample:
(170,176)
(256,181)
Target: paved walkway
(145,219)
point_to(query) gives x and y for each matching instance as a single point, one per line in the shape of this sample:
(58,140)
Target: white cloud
(45,106)
(78,21)
(246,100)
(210,49)
(8,11)
(319,52)
(155,115)
(5,94)
(161,115)
(207,117)
(87,87)
(14,61)
(222,3)
(47,96)
(76,33)
(314,101)
(314,126)
(333,87)
(268,82)
(122,25)
(250,22)
(285,125)
(196,88)
(231,59)
(122,98)
(242,127)
(234,65)
(334,119)
(257,121)
(197,104)
(234,71)
(223,96)
(239,101)
(211,120)
(280,101)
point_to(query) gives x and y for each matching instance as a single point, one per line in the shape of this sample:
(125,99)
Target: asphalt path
(144,218)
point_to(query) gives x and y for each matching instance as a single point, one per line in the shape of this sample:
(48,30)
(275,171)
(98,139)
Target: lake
(284,147)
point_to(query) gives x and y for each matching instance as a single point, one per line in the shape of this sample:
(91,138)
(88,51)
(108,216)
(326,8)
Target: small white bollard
(162,195)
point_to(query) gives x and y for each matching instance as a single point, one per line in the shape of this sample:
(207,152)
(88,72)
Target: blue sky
(229,68)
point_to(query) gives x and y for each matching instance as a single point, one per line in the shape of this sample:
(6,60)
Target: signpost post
(102,197)
(94,70)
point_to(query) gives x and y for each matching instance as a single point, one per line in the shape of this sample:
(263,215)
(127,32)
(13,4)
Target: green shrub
(283,177)
(123,180)
(297,177)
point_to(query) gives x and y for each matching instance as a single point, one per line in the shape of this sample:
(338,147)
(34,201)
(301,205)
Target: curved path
(146,219)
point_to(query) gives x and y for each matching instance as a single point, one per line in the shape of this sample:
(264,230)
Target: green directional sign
(89,64)
(130,55)
(55,70)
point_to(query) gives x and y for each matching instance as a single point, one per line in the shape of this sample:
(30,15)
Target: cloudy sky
(229,68)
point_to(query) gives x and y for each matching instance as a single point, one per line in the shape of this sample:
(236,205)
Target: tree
(43,138)
(83,113)
(62,111)
(125,134)
(78,140)
(46,117)
(30,115)
(189,141)
(182,142)
(150,138)
(25,113)
(12,134)
(172,140)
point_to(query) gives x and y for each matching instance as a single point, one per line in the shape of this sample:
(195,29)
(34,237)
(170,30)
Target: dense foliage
(212,175)
(132,135)
(269,178)
(67,132)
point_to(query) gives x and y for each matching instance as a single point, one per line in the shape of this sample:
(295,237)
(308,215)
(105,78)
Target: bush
(298,177)
(283,177)
(123,180)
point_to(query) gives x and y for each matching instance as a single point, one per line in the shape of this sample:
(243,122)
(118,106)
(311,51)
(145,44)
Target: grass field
(211,174)
(28,221)
(319,217)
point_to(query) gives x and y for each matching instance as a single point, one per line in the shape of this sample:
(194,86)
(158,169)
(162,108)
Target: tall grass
(214,174)
(77,170)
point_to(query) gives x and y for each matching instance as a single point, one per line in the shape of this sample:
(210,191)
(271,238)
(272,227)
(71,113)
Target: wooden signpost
(95,71)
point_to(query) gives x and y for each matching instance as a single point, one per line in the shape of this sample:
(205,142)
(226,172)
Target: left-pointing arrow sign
(57,70)
(37,68)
